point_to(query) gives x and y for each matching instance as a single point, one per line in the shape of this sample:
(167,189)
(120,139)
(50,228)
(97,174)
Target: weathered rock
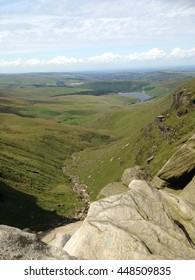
(112,189)
(27,230)
(133,225)
(183,100)
(149,159)
(188,192)
(134,173)
(180,168)
(182,212)
(158,183)
(58,237)
(16,244)
(160,118)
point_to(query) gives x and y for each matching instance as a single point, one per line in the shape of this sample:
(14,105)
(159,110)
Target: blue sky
(74,35)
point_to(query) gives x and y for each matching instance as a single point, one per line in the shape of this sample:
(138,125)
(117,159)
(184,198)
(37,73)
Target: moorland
(51,122)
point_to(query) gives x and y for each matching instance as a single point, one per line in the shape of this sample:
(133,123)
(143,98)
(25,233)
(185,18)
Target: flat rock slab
(134,225)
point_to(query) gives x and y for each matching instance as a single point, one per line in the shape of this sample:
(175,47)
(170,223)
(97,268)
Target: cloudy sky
(74,35)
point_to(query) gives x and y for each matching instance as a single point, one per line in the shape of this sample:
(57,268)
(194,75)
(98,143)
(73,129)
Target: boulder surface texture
(180,168)
(138,224)
(16,244)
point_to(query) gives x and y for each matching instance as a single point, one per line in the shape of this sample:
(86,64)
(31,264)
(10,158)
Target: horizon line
(115,70)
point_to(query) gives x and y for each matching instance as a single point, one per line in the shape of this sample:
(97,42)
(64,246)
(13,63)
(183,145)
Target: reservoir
(137,94)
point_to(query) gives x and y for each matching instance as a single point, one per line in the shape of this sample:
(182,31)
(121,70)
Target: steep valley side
(146,135)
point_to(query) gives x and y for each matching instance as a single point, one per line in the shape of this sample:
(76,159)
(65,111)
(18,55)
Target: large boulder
(16,244)
(134,173)
(112,189)
(132,225)
(180,168)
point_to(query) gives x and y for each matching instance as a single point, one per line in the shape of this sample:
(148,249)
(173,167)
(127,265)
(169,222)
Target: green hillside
(136,136)
(43,129)
(39,131)
(97,167)
(32,156)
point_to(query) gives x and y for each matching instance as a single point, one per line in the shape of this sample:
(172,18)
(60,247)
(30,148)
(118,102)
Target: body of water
(137,94)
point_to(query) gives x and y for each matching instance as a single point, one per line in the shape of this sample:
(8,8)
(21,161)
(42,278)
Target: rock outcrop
(16,244)
(134,173)
(136,219)
(184,100)
(112,189)
(141,222)
(183,214)
(180,168)
(158,183)
(138,224)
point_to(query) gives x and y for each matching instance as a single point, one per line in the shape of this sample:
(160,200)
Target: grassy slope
(37,140)
(32,155)
(136,137)
(97,167)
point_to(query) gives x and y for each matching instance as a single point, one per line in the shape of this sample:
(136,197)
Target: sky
(77,35)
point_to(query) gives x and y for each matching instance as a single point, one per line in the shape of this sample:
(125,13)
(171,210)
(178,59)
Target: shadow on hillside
(20,210)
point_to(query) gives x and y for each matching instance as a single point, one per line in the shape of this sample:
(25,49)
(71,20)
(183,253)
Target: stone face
(112,189)
(182,212)
(188,192)
(58,237)
(134,173)
(133,225)
(183,100)
(180,168)
(16,244)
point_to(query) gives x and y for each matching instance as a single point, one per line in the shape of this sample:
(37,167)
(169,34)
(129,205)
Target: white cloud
(62,60)
(104,58)
(13,63)
(148,55)
(34,62)
(74,24)
(176,56)
(179,53)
